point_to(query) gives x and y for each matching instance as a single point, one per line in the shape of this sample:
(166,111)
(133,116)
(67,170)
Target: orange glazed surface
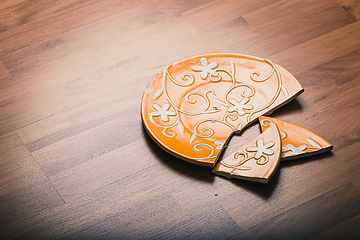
(194,105)
(296,141)
(255,161)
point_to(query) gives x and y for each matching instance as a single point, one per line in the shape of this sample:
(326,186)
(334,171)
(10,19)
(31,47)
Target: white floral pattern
(292,150)
(206,68)
(219,144)
(239,106)
(261,149)
(162,112)
(209,69)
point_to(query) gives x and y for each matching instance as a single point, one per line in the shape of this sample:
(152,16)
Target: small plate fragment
(256,161)
(296,141)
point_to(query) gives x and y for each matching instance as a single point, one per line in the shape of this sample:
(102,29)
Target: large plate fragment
(193,106)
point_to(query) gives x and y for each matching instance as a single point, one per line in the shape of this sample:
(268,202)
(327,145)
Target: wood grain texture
(304,25)
(4,73)
(352,6)
(10,3)
(76,162)
(25,189)
(296,223)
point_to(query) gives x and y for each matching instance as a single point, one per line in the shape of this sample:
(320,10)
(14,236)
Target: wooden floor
(76,163)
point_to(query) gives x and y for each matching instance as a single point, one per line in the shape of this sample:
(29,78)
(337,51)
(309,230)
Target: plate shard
(256,161)
(297,142)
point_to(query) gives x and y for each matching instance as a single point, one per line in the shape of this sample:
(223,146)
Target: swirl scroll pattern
(214,96)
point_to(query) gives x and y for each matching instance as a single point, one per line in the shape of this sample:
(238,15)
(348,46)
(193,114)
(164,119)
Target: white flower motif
(206,68)
(220,144)
(239,106)
(295,150)
(162,112)
(261,149)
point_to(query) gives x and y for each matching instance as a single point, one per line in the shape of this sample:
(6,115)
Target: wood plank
(205,17)
(4,73)
(290,28)
(106,33)
(297,184)
(94,36)
(348,229)
(99,172)
(325,47)
(81,118)
(9,3)
(25,189)
(60,22)
(159,177)
(135,201)
(95,72)
(22,12)
(69,86)
(356,182)
(92,71)
(310,218)
(67,16)
(345,119)
(352,6)
(101,139)
(338,72)
(204,225)
(287,18)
